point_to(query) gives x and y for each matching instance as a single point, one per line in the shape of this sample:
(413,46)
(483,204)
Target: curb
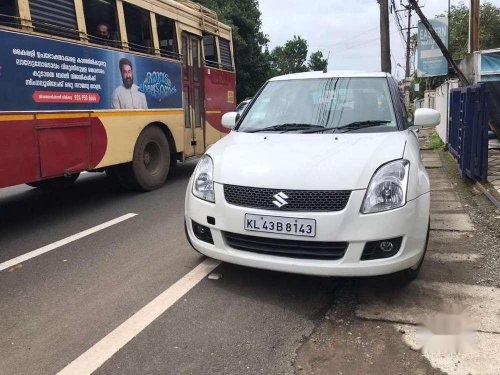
(488,195)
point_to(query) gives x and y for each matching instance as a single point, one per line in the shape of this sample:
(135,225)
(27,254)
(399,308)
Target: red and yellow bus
(129,87)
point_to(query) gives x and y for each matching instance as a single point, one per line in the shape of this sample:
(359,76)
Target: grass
(435,142)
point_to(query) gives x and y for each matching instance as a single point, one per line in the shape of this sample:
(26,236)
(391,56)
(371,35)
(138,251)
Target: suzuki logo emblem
(280,199)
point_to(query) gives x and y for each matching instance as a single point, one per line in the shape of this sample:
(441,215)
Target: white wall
(441,102)
(418,103)
(429,97)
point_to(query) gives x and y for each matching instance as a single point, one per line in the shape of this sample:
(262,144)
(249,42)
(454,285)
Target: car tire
(58,183)
(150,164)
(408,275)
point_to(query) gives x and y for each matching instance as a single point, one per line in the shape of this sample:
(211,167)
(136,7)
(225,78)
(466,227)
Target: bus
(126,87)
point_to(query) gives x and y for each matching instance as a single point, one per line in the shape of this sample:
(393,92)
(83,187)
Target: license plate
(281,225)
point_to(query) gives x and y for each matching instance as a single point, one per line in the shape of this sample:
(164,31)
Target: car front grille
(298,200)
(287,248)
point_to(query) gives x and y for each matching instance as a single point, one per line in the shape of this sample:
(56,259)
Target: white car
(322,175)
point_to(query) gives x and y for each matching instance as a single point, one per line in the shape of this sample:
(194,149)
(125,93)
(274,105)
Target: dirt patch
(344,344)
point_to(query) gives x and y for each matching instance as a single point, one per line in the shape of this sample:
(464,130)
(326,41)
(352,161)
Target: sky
(348,29)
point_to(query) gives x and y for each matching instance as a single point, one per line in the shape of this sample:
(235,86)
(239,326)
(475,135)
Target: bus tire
(150,164)
(58,183)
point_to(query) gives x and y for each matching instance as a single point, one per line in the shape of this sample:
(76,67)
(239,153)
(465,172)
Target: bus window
(8,13)
(225,54)
(55,17)
(101,21)
(195,47)
(211,58)
(167,36)
(197,107)
(187,110)
(185,56)
(138,25)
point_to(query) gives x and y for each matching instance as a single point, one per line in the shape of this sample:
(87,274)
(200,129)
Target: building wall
(418,103)
(441,103)
(429,98)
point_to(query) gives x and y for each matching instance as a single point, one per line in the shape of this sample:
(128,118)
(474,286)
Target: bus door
(192,88)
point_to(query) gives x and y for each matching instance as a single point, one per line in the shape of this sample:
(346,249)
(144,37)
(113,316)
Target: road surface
(100,280)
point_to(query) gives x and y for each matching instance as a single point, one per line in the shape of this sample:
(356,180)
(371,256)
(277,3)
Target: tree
(250,44)
(459,28)
(458,37)
(317,62)
(290,58)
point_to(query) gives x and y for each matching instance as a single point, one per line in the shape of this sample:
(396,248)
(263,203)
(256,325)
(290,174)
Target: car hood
(304,161)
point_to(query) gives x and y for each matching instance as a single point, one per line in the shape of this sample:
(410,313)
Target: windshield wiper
(361,125)
(351,126)
(286,127)
(324,129)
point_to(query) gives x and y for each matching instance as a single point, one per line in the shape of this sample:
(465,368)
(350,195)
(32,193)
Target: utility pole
(385,44)
(407,81)
(474,26)
(408,43)
(408,49)
(439,42)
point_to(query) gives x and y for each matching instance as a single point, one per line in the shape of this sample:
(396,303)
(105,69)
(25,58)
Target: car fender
(418,182)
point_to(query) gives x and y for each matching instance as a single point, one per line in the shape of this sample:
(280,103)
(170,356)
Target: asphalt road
(107,283)
(57,305)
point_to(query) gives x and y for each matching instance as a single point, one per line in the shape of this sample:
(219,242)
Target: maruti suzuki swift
(320,175)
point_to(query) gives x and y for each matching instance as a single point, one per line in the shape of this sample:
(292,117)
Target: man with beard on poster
(127,95)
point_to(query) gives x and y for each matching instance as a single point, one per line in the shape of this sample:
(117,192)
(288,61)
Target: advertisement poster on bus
(430,59)
(38,74)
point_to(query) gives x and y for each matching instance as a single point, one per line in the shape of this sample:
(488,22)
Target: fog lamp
(386,246)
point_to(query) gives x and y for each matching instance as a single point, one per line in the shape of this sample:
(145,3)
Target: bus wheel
(150,164)
(58,183)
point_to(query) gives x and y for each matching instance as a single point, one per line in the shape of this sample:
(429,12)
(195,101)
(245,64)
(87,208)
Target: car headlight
(203,182)
(387,189)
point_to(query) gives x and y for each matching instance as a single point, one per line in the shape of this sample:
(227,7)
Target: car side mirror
(229,120)
(426,118)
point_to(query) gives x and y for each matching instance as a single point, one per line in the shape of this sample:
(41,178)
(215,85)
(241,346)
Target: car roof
(331,74)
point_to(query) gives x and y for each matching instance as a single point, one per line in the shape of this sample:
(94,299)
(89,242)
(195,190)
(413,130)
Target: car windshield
(324,102)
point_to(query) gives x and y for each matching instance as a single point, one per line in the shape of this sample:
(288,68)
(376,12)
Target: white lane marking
(65,241)
(94,357)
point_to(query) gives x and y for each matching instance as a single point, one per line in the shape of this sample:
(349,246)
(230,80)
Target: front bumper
(348,225)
